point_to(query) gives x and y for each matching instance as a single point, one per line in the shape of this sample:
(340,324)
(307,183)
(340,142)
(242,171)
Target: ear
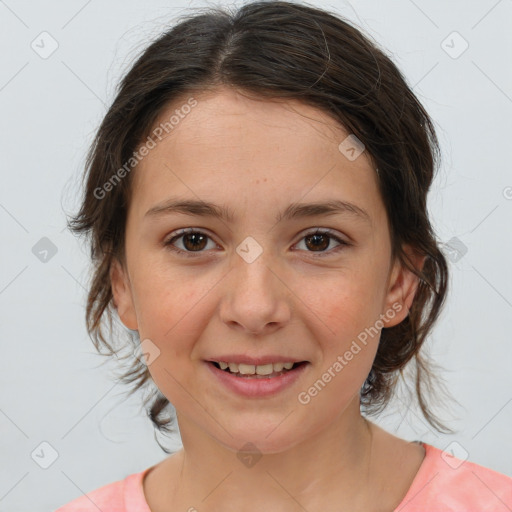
(402,287)
(123,299)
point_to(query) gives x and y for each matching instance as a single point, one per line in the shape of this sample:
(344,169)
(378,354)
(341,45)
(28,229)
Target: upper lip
(260,360)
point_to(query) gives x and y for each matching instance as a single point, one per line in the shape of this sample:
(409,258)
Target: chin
(262,439)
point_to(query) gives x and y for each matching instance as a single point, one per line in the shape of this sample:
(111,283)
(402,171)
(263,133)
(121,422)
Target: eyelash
(192,254)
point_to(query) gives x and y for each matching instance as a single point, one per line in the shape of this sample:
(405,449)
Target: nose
(255,296)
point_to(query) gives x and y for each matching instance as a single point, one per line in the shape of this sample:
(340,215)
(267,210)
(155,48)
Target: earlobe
(402,289)
(122,295)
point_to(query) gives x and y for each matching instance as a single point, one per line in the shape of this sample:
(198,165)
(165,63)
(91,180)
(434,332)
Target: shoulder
(124,495)
(446,482)
(109,495)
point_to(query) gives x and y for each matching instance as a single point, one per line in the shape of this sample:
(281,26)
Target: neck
(334,462)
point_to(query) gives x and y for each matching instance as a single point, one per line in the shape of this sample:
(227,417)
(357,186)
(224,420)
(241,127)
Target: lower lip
(254,387)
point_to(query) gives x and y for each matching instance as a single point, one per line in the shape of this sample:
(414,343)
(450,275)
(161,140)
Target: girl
(256,205)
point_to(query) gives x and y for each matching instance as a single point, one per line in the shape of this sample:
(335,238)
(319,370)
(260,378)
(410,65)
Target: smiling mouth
(266,371)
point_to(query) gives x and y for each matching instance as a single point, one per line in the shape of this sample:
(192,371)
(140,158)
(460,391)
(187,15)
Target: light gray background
(54,387)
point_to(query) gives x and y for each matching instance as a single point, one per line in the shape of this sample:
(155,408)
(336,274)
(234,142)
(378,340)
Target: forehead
(226,116)
(229,149)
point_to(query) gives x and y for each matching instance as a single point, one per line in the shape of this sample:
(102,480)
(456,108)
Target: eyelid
(332,234)
(175,235)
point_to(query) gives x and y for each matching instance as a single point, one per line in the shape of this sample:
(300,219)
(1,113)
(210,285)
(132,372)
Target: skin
(257,157)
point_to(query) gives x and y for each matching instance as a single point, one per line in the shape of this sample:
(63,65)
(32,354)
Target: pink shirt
(443,483)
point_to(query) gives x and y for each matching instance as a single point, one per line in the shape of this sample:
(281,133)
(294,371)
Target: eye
(194,241)
(321,239)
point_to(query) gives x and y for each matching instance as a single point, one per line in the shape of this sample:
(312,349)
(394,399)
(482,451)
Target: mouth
(264,371)
(257,381)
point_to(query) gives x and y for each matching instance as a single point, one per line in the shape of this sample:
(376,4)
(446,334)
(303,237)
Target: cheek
(346,305)
(346,322)
(167,312)
(347,350)
(173,311)
(160,302)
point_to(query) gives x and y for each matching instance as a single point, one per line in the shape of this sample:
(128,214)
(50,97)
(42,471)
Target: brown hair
(275,49)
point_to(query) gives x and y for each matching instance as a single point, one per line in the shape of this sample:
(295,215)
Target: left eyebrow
(293,211)
(332,207)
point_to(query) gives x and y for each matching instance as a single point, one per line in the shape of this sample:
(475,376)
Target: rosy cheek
(346,317)
(339,306)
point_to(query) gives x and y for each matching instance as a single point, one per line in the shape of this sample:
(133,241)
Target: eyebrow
(293,211)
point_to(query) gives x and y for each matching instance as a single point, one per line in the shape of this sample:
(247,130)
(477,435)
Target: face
(257,284)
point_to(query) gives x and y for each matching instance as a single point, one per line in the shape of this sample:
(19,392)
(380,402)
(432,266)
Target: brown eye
(192,241)
(320,242)
(195,242)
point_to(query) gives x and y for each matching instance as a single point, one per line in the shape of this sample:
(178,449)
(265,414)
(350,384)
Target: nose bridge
(255,295)
(253,267)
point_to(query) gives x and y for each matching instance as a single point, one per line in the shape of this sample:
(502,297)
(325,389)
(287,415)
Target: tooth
(250,369)
(233,367)
(264,369)
(246,369)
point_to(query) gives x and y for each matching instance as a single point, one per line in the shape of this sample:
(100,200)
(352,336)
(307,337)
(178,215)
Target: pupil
(317,237)
(194,236)
(197,238)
